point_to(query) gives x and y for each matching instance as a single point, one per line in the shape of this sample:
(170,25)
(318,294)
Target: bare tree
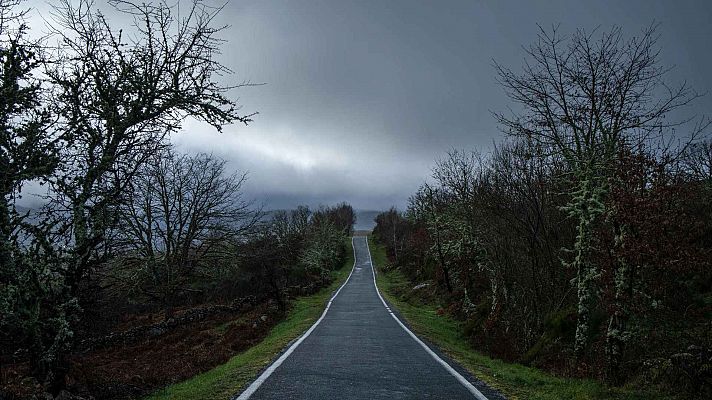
(181,211)
(28,152)
(390,229)
(291,225)
(27,147)
(120,93)
(428,206)
(342,216)
(117,93)
(582,98)
(323,250)
(698,161)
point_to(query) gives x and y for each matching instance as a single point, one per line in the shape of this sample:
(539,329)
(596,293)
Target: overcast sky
(362,96)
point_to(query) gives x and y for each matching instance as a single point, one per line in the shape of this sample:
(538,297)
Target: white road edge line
(469,386)
(263,377)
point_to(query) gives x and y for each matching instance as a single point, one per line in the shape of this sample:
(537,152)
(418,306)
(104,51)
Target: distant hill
(365,220)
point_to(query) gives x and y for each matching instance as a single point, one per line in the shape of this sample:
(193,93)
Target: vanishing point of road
(359,349)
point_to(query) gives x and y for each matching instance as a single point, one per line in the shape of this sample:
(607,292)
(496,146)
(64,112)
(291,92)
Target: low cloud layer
(361,97)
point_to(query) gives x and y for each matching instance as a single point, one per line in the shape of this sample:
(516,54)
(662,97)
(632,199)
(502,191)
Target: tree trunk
(395,242)
(5,231)
(585,278)
(587,207)
(618,321)
(446,276)
(167,308)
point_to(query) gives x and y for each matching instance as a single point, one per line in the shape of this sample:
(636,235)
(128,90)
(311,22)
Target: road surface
(360,350)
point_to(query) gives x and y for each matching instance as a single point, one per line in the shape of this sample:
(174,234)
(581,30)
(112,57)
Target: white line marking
(469,386)
(263,377)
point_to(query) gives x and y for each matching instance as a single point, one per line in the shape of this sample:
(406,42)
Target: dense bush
(496,250)
(581,243)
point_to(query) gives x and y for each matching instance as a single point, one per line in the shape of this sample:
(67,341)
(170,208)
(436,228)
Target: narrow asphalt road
(359,350)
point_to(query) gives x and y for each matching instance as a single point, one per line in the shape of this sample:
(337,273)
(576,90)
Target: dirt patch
(136,369)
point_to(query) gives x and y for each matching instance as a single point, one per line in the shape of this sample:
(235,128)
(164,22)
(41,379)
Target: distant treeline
(582,243)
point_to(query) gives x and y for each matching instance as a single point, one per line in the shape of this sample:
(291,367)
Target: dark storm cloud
(363,96)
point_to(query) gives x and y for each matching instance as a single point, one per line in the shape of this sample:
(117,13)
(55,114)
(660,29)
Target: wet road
(359,350)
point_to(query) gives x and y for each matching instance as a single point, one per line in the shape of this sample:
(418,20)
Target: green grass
(514,380)
(230,378)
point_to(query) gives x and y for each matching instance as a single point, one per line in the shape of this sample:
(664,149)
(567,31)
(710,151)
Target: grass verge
(515,381)
(228,379)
